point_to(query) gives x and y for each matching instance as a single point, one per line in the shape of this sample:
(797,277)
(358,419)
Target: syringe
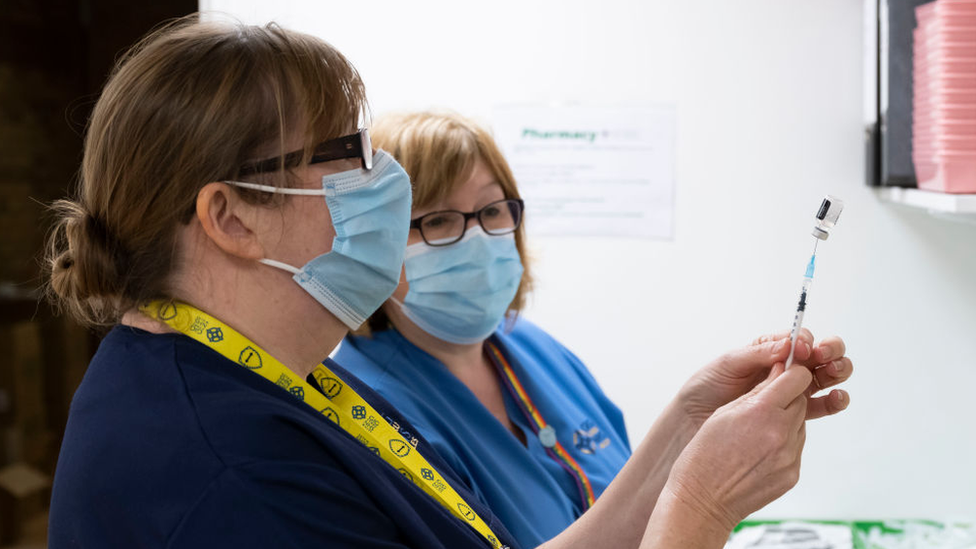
(826,216)
(802,305)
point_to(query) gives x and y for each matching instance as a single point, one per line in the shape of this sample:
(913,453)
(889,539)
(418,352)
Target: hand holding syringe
(827,216)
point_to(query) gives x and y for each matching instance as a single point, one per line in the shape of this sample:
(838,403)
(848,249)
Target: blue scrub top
(532,493)
(169,444)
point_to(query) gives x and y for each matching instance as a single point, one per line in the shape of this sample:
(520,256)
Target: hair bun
(84,262)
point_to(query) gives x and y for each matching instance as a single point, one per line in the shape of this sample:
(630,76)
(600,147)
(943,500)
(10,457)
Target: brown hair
(189,104)
(438,150)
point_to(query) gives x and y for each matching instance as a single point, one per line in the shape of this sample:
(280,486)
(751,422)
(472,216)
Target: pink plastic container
(927,11)
(924,169)
(960,113)
(964,19)
(950,145)
(942,127)
(941,30)
(950,176)
(928,133)
(944,102)
(955,145)
(958,79)
(955,3)
(950,65)
(955,112)
(956,123)
(953,97)
(951,12)
(947,80)
(954,51)
(939,33)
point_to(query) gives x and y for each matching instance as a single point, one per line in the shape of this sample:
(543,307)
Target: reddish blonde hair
(438,150)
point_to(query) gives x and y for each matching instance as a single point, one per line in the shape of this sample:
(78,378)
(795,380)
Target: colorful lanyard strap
(544,431)
(337,401)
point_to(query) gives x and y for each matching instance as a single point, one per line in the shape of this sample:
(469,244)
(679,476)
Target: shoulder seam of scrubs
(537,422)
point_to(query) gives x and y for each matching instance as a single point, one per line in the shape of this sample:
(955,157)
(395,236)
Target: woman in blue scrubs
(231,224)
(516,414)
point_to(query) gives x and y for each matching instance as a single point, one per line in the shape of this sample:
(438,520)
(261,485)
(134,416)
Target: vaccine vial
(827,216)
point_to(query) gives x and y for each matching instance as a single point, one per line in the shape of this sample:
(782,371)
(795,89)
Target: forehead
(480,175)
(480,183)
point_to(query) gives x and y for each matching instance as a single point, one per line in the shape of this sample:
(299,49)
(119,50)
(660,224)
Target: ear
(228,221)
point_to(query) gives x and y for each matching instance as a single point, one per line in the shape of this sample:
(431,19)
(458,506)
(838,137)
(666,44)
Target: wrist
(687,414)
(681,516)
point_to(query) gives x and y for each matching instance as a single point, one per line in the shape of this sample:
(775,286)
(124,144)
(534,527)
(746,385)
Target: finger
(836,401)
(829,349)
(766,338)
(755,360)
(802,351)
(805,335)
(833,373)
(780,348)
(783,390)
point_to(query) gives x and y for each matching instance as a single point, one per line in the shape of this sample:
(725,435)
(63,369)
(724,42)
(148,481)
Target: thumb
(774,372)
(786,386)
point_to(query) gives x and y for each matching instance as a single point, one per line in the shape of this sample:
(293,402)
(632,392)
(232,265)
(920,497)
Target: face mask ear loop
(280,265)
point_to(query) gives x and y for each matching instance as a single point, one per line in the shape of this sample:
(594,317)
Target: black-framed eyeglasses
(446,227)
(357,145)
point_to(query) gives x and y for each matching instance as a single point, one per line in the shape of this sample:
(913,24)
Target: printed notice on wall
(592,171)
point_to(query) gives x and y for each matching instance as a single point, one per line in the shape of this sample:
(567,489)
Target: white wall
(769,120)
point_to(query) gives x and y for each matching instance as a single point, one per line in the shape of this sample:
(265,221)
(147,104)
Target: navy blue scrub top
(533,493)
(169,444)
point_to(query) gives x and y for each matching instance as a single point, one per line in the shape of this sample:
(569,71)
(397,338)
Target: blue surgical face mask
(460,293)
(370,212)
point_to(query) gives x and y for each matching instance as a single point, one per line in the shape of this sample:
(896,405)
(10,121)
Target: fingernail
(842,398)
(838,367)
(809,349)
(822,354)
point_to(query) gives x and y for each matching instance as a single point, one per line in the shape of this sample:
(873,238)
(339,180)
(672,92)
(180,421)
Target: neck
(466,362)
(270,310)
(459,359)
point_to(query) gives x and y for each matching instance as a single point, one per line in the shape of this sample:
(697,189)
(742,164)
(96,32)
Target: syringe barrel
(807,282)
(798,318)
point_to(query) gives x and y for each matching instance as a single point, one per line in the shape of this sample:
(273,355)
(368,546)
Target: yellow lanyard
(340,403)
